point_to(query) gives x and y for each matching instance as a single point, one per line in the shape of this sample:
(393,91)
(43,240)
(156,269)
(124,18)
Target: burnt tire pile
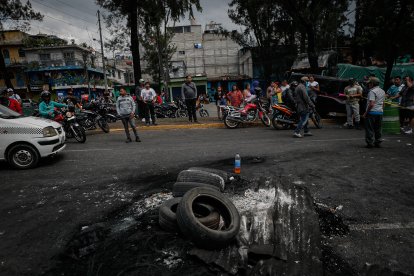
(199,210)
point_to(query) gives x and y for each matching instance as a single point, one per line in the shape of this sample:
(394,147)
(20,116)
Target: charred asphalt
(72,214)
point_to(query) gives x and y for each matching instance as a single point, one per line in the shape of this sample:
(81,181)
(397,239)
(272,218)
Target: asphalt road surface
(372,189)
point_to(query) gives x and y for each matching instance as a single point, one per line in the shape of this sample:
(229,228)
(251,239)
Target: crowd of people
(299,96)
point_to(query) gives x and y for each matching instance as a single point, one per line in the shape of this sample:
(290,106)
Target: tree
(137,12)
(14,10)
(157,37)
(265,25)
(314,19)
(386,32)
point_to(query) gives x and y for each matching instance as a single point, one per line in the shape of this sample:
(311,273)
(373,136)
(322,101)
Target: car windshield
(7,113)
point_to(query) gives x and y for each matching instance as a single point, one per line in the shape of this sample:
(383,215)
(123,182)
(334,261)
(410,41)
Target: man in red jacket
(10,103)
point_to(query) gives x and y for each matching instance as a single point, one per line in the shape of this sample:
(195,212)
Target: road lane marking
(381,226)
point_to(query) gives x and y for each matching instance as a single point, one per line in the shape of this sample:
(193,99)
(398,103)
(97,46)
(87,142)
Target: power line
(62,11)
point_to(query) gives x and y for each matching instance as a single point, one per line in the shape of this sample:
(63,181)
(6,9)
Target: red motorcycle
(284,117)
(250,112)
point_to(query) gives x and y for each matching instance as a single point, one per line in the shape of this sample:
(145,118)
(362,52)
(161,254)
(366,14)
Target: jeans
(191,108)
(131,121)
(352,109)
(373,129)
(303,122)
(149,109)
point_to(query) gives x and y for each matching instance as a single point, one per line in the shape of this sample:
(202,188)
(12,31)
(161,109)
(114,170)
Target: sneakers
(409,131)
(137,139)
(297,135)
(128,140)
(308,134)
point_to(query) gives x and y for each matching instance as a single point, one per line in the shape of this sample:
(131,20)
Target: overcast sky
(77,18)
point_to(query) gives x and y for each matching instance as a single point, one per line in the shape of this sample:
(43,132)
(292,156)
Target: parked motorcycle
(96,114)
(182,108)
(250,112)
(200,107)
(166,110)
(285,118)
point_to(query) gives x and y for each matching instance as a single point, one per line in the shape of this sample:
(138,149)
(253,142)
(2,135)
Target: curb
(195,126)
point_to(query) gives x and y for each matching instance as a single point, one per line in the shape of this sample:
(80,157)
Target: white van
(24,140)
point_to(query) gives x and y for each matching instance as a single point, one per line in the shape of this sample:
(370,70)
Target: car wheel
(201,177)
(198,233)
(180,188)
(23,156)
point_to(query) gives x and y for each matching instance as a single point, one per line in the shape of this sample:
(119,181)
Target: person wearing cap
(303,105)
(13,95)
(10,102)
(374,113)
(353,93)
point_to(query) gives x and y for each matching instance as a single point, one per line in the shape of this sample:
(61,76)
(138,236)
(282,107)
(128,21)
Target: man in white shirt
(148,96)
(313,89)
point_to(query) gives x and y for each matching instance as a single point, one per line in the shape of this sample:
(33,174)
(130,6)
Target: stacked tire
(199,210)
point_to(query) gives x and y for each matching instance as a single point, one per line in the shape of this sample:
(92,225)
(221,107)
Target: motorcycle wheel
(78,133)
(103,124)
(266,120)
(230,124)
(316,119)
(181,113)
(277,124)
(204,113)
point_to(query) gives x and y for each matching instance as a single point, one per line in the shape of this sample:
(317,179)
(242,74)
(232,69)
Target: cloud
(77,19)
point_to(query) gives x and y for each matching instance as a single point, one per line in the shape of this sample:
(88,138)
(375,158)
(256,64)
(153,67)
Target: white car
(24,140)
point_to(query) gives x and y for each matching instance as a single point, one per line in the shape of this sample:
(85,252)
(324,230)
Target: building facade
(12,48)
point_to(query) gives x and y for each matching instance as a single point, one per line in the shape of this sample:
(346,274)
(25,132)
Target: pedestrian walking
(374,113)
(125,107)
(353,93)
(148,96)
(189,95)
(303,105)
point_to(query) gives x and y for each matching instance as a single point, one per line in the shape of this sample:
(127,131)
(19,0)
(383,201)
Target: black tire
(180,188)
(201,177)
(316,119)
(204,113)
(229,123)
(277,124)
(225,175)
(198,233)
(78,133)
(167,215)
(266,120)
(103,124)
(23,156)
(205,213)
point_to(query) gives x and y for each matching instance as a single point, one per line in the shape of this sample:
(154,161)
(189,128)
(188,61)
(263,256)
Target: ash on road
(367,193)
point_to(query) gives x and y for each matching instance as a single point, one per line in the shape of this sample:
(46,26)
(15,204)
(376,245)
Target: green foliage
(46,41)
(15,10)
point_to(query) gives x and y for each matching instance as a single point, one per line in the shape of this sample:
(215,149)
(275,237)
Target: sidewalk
(183,123)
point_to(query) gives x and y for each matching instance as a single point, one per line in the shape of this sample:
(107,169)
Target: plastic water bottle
(237,164)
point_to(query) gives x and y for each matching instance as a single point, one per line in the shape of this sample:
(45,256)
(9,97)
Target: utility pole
(102,50)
